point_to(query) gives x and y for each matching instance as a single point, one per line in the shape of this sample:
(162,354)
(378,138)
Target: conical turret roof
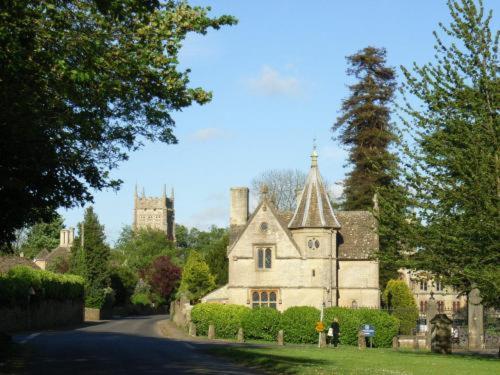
(314,209)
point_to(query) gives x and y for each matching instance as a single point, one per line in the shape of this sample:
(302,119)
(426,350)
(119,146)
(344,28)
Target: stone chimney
(239,206)
(66,237)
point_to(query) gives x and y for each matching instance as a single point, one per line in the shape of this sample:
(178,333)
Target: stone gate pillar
(475,315)
(430,314)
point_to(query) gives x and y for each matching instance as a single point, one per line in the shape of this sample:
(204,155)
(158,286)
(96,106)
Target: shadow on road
(107,349)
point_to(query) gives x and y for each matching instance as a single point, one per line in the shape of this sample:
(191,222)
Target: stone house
(63,252)
(422,284)
(313,256)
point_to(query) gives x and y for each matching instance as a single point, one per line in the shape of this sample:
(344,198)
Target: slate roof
(358,238)
(42,254)
(314,209)
(8,262)
(58,252)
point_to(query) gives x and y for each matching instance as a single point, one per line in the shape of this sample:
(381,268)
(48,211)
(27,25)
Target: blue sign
(368,330)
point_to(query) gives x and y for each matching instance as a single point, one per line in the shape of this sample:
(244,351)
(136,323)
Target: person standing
(334,332)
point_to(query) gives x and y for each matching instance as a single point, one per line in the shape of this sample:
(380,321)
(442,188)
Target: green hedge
(299,324)
(15,286)
(261,324)
(227,319)
(350,320)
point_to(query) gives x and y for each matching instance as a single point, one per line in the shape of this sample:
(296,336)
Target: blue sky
(278,79)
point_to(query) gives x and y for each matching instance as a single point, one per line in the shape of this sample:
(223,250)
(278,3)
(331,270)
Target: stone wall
(180,313)
(42,315)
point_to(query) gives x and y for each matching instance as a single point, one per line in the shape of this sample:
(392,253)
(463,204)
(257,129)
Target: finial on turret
(143,192)
(164,190)
(264,190)
(172,194)
(135,193)
(314,155)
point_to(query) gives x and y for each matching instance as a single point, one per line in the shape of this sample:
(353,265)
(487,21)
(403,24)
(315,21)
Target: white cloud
(208,134)
(271,82)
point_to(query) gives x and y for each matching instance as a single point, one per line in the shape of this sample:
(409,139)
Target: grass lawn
(350,360)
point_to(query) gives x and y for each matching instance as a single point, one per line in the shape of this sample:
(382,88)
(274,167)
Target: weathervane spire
(314,155)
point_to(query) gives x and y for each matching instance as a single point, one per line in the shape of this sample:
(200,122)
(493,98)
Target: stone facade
(45,258)
(312,257)
(155,213)
(422,284)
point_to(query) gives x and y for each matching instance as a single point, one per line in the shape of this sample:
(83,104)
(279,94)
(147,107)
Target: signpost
(368,331)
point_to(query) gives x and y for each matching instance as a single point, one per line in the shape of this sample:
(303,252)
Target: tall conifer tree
(92,259)
(455,157)
(364,127)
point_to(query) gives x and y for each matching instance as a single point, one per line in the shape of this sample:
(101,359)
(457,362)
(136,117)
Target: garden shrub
(350,320)
(141,299)
(261,324)
(123,281)
(399,299)
(15,286)
(298,324)
(227,319)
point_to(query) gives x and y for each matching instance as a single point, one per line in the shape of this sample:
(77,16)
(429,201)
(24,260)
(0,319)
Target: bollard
(192,329)
(281,340)
(240,337)
(361,340)
(395,343)
(211,332)
(322,340)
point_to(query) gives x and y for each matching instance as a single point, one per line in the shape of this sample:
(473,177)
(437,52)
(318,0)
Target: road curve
(120,346)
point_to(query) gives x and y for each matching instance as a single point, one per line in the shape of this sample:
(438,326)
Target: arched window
(255,300)
(272,299)
(440,306)
(260,260)
(264,298)
(264,258)
(268,258)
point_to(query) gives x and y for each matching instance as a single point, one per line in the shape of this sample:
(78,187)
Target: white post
(320,319)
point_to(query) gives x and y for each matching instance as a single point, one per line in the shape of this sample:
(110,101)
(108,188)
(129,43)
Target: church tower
(155,213)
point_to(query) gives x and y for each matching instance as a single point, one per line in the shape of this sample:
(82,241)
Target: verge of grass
(350,360)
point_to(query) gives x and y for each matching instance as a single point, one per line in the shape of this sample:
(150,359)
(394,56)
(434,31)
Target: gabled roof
(8,262)
(314,209)
(42,254)
(235,232)
(58,252)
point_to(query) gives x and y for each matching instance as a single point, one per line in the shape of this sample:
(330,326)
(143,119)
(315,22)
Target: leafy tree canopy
(82,83)
(454,160)
(141,247)
(399,300)
(42,236)
(163,276)
(197,280)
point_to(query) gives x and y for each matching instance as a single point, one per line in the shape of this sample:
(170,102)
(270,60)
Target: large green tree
(196,281)
(42,236)
(82,83)
(139,248)
(452,111)
(365,128)
(90,258)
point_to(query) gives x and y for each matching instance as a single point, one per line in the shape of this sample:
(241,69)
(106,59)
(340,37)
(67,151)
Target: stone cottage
(313,256)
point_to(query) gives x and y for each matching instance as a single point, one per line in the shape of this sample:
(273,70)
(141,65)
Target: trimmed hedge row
(261,324)
(386,326)
(227,319)
(298,323)
(15,286)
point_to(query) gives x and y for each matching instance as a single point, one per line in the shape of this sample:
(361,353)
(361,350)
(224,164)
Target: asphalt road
(121,346)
